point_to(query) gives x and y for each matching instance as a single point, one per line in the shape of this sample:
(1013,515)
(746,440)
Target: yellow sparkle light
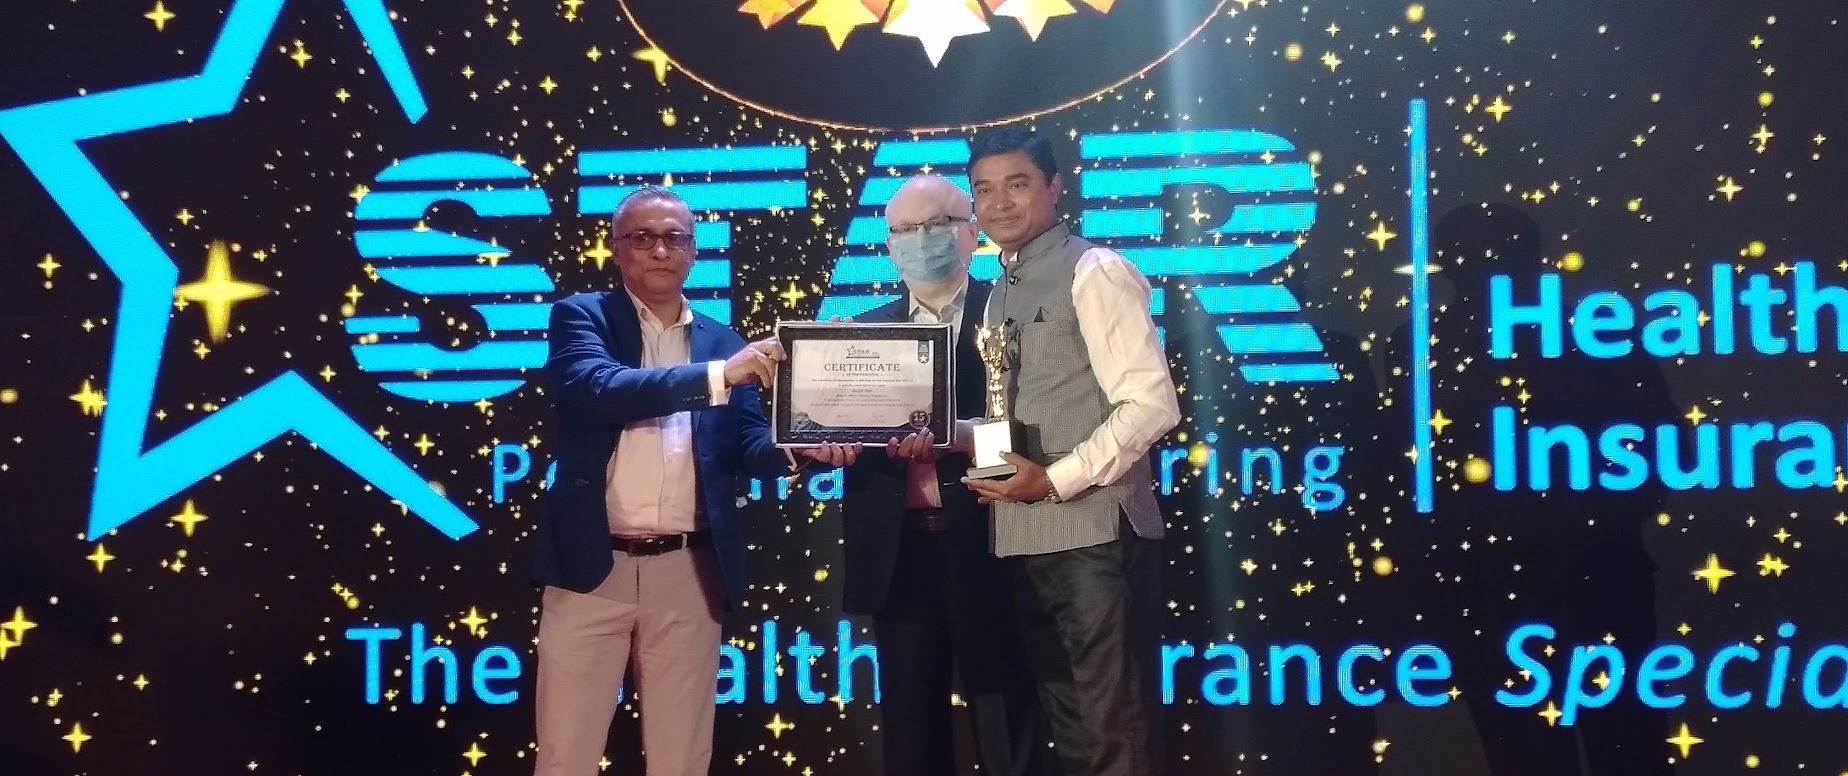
(1712,573)
(218,291)
(159,16)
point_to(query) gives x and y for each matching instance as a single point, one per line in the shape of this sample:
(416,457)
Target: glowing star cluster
(934,23)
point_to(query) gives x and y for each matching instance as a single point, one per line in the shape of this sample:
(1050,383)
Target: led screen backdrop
(1508,335)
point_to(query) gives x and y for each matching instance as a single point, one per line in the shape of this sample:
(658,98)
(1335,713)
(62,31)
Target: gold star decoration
(218,291)
(1033,14)
(1380,235)
(1684,738)
(769,12)
(792,296)
(474,753)
(1498,108)
(49,265)
(1771,564)
(423,444)
(474,622)
(77,737)
(159,16)
(1712,573)
(1729,187)
(90,400)
(839,18)
(655,56)
(935,23)
(778,727)
(600,252)
(1552,714)
(99,556)
(188,518)
(1439,422)
(301,55)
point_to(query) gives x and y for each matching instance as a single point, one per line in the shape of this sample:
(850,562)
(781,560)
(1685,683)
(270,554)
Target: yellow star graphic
(1685,739)
(99,557)
(778,727)
(90,400)
(600,252)
(159,16)
(1033,14)
(473,622)
(1712,573)
(1729,187)
(187,518)
(769,12)
(77,737)
(1552,714)
(1498,108)
(474,754)
(1438,422)
(218,291)
(839,18)
(1380,235)
(1771,564)
(658,58)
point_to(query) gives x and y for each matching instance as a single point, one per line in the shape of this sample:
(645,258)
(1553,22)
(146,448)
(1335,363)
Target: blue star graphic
(131,478)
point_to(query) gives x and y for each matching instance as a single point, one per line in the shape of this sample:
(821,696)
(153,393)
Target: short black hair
(1008,139)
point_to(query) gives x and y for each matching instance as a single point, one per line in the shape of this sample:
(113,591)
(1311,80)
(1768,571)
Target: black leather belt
(930,519)
(657,545)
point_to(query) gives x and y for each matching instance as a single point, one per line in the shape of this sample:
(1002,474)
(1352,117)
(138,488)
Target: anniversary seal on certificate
(863,382)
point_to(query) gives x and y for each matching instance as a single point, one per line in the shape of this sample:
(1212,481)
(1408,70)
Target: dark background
(1650,103)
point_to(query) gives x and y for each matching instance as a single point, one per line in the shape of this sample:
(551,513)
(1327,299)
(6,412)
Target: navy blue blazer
(595,341)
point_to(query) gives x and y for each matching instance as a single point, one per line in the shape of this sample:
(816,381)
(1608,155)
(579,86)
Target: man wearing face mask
(916,540)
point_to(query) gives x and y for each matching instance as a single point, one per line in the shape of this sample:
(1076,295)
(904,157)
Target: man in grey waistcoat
(1078,524)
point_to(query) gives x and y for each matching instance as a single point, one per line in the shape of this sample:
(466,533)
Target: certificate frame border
(943,393)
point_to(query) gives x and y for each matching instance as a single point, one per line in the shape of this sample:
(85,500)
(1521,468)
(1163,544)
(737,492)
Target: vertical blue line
(1421,312)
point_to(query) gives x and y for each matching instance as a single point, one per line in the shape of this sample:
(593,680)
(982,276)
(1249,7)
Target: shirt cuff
(1067,478)
(715,383)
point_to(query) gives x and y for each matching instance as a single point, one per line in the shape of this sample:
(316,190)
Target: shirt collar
(1045,242)
(955,303)
(647,314)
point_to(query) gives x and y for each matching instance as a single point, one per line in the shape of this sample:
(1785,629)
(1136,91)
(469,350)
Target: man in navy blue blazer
(638,547)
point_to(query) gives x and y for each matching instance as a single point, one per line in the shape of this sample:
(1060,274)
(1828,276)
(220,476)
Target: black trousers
(1087,619)
(948,618)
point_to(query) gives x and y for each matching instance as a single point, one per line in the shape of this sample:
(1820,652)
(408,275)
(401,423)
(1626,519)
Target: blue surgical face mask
(926,255)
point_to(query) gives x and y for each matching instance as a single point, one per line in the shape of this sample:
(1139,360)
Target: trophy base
(990,440)
(993,472)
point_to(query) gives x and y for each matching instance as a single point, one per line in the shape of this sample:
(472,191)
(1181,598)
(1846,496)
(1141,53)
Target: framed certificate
(863,382)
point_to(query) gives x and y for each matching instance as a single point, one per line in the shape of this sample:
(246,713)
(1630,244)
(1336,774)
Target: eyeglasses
(932,225)
(646,241)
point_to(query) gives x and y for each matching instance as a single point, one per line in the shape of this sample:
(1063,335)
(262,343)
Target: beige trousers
(662,609)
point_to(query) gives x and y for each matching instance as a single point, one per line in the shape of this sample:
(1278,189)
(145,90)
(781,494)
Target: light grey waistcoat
(1053,393)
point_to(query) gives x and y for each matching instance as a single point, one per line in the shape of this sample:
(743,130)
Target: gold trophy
(997,433)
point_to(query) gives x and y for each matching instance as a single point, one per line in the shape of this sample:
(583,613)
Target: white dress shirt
(649,484)
(921,491)
(1112,301)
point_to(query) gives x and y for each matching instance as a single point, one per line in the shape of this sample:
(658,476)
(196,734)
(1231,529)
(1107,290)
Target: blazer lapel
(970,377)
(702,346)
(622,327)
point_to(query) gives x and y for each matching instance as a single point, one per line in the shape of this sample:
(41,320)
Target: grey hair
(648,193)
